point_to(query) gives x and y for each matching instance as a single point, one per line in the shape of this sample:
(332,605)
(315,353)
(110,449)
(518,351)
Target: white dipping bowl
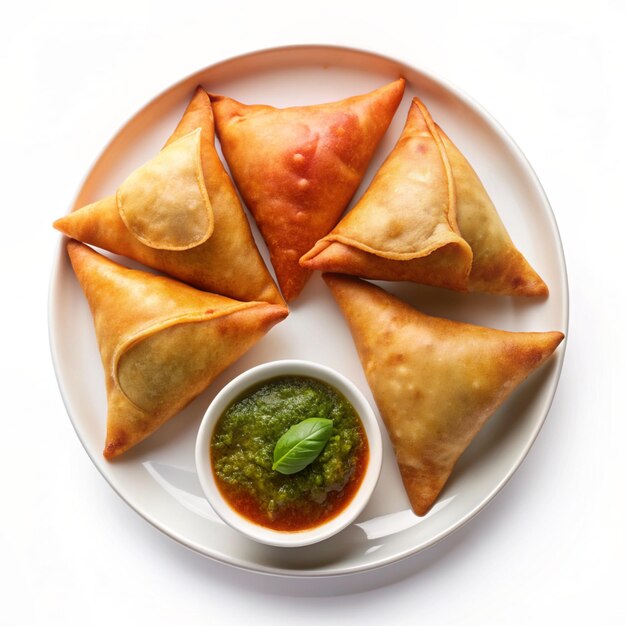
(234,390)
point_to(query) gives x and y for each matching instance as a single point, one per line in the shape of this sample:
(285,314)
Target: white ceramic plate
(158,479)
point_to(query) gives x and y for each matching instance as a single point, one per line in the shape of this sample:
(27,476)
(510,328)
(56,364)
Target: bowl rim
(251,378)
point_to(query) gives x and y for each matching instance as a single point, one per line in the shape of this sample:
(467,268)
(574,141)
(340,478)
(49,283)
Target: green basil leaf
(301,444)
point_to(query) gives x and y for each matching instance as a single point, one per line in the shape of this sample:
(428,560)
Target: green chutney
(242,449)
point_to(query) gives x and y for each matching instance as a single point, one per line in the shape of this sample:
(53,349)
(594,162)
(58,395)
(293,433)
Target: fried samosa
(404,227)
(297,168)
(401,229)
(180,214)
(161,342)
(435,381)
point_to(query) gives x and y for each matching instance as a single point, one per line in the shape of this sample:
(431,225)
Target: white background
(550,548)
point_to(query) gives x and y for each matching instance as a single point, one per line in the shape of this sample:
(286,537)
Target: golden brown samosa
(404,227)
(227,262)
(297,168)
(401,230)
(435,381)
(161,342)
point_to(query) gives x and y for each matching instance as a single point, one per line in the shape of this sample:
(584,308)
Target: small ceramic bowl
(234,390)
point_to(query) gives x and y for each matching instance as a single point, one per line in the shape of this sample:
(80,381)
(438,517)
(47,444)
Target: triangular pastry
(401,230)
(435,381)
(297,168)
(214,251)
(404,227)
(161,342)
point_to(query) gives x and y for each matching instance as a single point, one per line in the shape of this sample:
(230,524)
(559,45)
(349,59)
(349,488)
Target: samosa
(161,342)
(297,168)
(405,226)
(435,381)
(402,228)
(180,214)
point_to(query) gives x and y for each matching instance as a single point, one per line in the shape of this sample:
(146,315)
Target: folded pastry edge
(281,312)
(198,172)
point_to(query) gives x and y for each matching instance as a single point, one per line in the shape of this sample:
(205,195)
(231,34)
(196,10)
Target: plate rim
(521,159)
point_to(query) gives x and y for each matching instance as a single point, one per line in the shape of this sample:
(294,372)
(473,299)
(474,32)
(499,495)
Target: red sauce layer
(302,514)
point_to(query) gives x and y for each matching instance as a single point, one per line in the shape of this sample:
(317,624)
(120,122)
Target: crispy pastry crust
(435,381)
(404,229)
(498,266)
(298,168)
(161,342)
(228,262)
